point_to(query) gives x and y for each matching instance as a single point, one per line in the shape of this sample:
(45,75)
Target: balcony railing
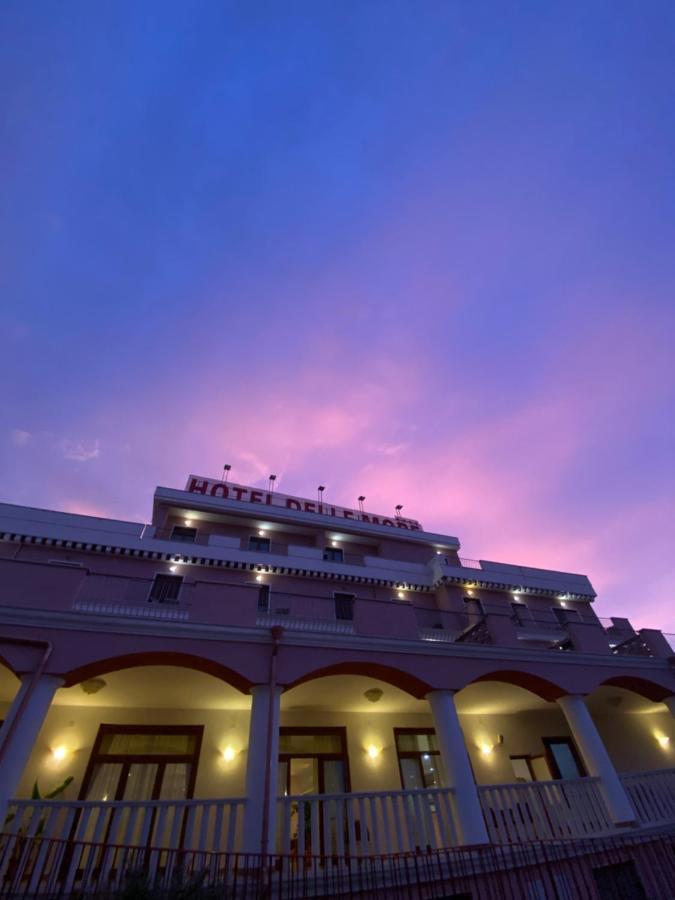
(538,810)
(367,824)
(652,795)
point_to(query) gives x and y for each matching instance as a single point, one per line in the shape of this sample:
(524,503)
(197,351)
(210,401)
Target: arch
(543,688)
(650,690)
(158,658)
(403,680)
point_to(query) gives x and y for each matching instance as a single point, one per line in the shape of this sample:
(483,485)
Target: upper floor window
(264,598)
(183,533)
(344,607)
(259,544)
(521,614)
(165,589)
(333,554)
(474,606)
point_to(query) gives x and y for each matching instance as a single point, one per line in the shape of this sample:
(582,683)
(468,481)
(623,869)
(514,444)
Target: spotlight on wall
(373,751)
(373,694)
(258,577)
(172,569)
(228,754)
(663,740)
(59,752)
(485,748)
(400,595)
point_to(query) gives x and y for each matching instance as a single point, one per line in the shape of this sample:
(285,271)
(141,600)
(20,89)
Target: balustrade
(652,795)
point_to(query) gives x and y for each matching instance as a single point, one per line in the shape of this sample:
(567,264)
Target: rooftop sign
(228,491)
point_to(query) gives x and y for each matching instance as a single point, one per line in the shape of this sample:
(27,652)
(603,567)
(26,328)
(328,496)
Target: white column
(16,745)
(596,758)
(670,703)
(258,747)
(471,825)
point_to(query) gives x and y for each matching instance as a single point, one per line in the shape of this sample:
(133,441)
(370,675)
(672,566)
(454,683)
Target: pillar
(471,824)
(260,749)
(596,758)
(670,703)
(17,742)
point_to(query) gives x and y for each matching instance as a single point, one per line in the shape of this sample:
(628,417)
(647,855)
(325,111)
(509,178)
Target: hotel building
(253,673)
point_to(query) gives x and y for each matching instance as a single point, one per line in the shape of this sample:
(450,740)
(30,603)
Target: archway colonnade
(36,692)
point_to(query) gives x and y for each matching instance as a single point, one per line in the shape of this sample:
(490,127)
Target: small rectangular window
(259,544)
(618,880)
(165,589)
(184,534)
(521,614)
(474,606)
(264,598)
(563,758)
(344,607)
(333,554)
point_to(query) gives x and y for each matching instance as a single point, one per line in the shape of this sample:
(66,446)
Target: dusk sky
(423,251)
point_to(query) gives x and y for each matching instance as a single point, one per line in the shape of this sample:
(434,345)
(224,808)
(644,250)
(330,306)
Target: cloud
(81,451)
(19,437)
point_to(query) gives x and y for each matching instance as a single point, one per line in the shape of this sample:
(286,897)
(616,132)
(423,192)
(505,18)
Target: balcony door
(313,761)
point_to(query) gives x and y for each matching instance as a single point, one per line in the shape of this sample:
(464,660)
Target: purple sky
(423,252)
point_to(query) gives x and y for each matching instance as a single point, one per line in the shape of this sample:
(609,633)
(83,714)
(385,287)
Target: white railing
(213,825)
(93,834)
(366,824)
(541,810)
(652,795)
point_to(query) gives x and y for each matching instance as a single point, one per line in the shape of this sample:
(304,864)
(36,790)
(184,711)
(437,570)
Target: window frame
(413,754)
(551,760)
(126,759)
(342,756)
(184,539)
(257,539)
(167,576)
(343,595)
(333,554)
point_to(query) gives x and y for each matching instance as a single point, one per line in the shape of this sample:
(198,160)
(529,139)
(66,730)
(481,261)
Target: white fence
(366,824)
(652,795)
(541,810)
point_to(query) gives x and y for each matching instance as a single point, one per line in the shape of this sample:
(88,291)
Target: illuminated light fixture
(172,568)
(262,532)
(333,543)
(562,603)
(59,752)
(486,749)
(188,522)
(373,751)
(258,577)
(400,595)
(663,740)
(439,552)
(470,593)
(228,754)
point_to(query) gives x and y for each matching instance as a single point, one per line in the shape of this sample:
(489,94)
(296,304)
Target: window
(419,759)
(522,768)
(259,544)
(619,881)
(264,598)
(143,762)
(165,589)
(521,614)
(344,607)
(333,554)
(563,758)
(474,606)
(184,534)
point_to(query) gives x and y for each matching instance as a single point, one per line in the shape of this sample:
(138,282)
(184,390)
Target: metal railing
(623,866)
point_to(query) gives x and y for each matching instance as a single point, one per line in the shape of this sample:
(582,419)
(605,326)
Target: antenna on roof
(361,499)
(270,486)
(226,472)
